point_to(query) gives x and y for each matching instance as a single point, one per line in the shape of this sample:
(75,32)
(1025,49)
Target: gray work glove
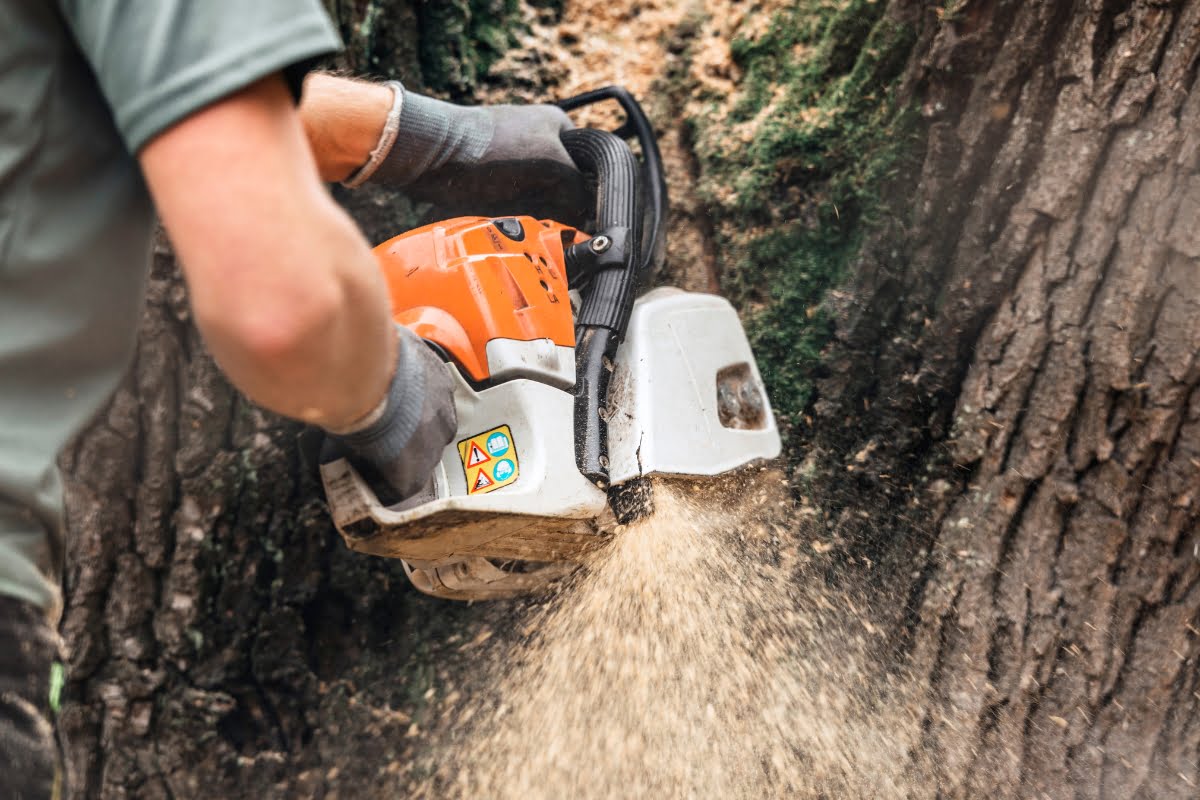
(404,445)
(486,160)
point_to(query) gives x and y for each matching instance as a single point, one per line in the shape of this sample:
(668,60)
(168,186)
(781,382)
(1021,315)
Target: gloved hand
(417,420)
(487,160)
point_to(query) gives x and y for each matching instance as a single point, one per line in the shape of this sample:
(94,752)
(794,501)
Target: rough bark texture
(1026,344)
(1003,419)
(1059,625)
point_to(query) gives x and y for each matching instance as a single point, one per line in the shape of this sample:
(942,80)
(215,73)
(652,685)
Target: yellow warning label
(489,460)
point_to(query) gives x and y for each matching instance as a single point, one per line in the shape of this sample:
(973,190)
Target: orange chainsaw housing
(463,282)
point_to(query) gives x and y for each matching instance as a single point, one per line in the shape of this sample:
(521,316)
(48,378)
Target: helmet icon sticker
(489,460)
(503,470)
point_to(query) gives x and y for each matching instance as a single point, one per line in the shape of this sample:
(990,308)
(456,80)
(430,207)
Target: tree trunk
(1010,402)
(1057,214)
(963,240)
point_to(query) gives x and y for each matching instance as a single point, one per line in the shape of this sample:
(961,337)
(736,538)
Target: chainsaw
(575,383)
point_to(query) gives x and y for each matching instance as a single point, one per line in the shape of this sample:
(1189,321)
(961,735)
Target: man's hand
(487,160)
(405,440)
(492,160)
(438,139)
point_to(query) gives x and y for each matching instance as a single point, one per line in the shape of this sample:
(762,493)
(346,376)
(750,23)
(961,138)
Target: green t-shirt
(84,84)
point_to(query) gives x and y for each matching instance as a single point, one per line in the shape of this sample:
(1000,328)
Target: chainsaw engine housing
(508,489)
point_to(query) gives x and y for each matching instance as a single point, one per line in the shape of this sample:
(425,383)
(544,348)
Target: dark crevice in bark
(1124,646)
(1087,194)
(1004,552)
(1190,80)
(1190,401)
(1176,8)
(1074,430)
(911,619)
(1104,37)
(938,668)
(1031,386)
(1142,494)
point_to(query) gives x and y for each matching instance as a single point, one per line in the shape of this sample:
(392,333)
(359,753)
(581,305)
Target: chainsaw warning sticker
(475,456)
(489,460)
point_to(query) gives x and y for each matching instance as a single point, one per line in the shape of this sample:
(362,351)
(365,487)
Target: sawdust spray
(688,661)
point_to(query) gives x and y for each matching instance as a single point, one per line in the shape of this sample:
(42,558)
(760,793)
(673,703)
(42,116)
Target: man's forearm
(285,289)
(343,119)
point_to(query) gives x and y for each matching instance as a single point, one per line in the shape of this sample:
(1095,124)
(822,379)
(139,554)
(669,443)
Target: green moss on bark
(461,39)
(793,168)
(443,46)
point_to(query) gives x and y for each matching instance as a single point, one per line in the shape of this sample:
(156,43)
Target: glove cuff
(384,439)
(431,134)
(387,138)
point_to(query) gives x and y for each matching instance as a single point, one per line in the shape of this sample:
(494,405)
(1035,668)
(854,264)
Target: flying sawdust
(688,662)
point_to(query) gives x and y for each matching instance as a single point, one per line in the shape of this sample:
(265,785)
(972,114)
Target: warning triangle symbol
(482,482)
(477,456)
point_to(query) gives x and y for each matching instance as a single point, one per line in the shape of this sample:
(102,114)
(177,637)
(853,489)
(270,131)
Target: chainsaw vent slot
(519,300)
(740,401)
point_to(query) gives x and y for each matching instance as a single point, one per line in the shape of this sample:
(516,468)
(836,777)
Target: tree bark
(1064,588)
(1030,334)
(1003,433)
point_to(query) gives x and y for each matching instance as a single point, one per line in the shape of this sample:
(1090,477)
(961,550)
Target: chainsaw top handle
(608,264)
(654,185)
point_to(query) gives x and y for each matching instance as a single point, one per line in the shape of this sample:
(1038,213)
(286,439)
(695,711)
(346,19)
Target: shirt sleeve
(158,61)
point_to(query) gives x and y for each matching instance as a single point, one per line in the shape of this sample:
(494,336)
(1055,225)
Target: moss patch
(461,39)
(443,46)
(793,167)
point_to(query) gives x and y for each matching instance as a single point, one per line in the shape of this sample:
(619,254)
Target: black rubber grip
(606,158)
(654,185)
(623,212)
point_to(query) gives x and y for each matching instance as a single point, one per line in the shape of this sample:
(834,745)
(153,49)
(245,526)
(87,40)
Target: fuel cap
(510,228)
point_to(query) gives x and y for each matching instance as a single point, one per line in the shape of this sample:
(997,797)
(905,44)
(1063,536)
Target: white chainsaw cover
(526,512)
(686,397)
